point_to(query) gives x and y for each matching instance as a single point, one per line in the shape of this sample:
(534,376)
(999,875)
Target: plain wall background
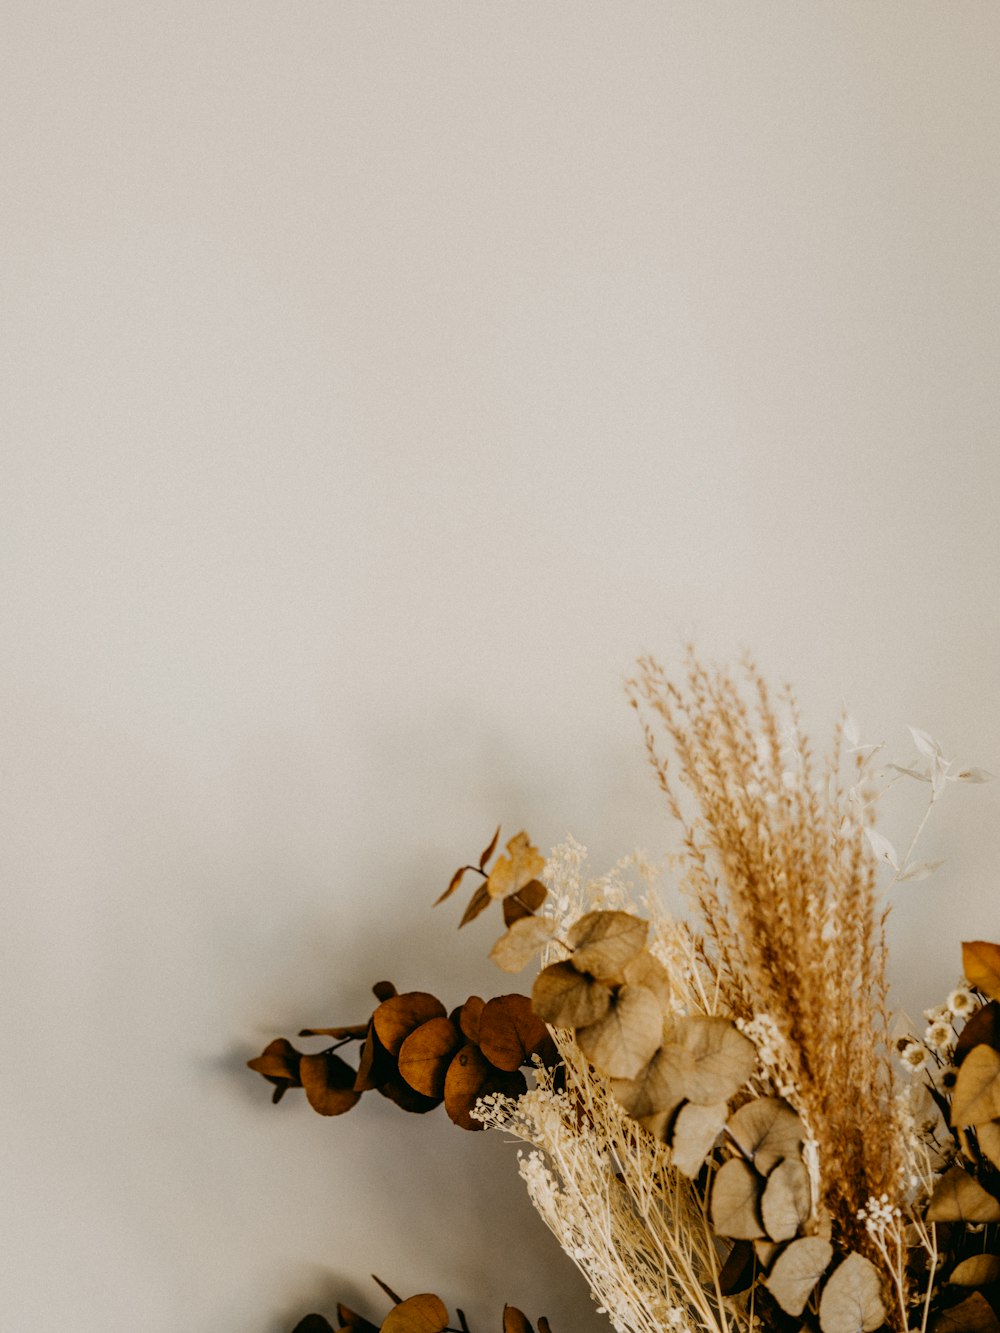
(379,380)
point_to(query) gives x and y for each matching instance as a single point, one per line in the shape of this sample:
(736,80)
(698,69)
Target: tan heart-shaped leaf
(519,867)
(981,964)
(515,950)
(852,1299)
(988,1135)
(623,1041)
(959,1198)
(396,1018)
(510,1033)
(797,1270)
(722,1058)
(604,943)
(767,1129)
(471,1076)
(695,1131)
(978,1271)
(658,1088)
(787,1200)
(567,998)
(973,1315)
(735,1201)
(525,902)
(645,970)
(976,1095)
(426,1053)
(328,1083)
(425,1313)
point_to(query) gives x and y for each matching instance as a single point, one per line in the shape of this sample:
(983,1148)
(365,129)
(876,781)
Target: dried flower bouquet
(723,1129)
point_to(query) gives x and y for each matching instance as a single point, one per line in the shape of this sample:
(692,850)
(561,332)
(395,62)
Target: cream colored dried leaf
(645,970)
(976,1096)
(796,1272)
(767,1129)
(973,1315)
(567,998)
(978,1271)
(852,1298)
(658,1089)
(514,950)
(695,1131)
(988,1135)
(735,1201)
(959,1198)
(624,1040)
(722,1059)
(787,1200)
(604,943)
(519,867)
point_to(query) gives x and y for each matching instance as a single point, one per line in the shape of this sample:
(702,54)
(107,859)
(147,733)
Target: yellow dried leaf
(567,998)
(796,1272)
(519,867)
(978,1271)
(852,1298)
(787,1200)
(767,1129)
(981,964)
(988,1135)
(959,1198)
(425,1313)
(604,943)
(695,1131)
(623,1041)
(515,950)
(735,1199)
(976,1095)
(426,1053)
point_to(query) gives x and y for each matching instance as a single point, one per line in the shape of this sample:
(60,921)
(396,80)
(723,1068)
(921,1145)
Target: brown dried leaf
(354,1322)
(515,950)
(525,902)
(979,1271)
(973,1315)
(478,904)
(355,1031)
(395,1019)
(976,1095)
(982,1029)
(735,1200)
(519,867)
(787,1200)
(375,1064)
(543,1325)
(568,998)
(278,1063)
(738,1272)
(514,1321)
(852,1298)
(959,1198)
(468,1017)
(384,990)
(420,1314)
(721,1058)
(471,1076)
(604,943)
(645,970)
(489,849)
(989,1141)
(658,1089)
(625,1039)
(796,1272)
(315,1323)
(396,1089)
(766,1130)
(695,1131)
(510,1033)
(328,1083)
(453,884)
(981,964)
(426,1053)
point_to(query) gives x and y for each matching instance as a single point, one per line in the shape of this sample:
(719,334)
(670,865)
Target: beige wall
(379,379)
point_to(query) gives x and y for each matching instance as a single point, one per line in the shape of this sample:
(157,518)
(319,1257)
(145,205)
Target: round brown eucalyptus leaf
(543,1325)
(722,1058)
(471,1076)
(522,942)
(278,1063)
(658,1088)
(384,990)
(420,1314)
(797,1270)
(645,970)
(982,1029)
(514,1321)
(396,1089)
(978,1271)
(852,1298)
(567,998)
(959,1198)
(375,1064)
(328,1083)
(735,1201)
(624,1040)
(767,1129)
(695,1131)
(787,1200)
(981,964)
(314,1323)
(397,1017)
(989,1141)
(510,1033)
(604,943)
(426,1053)
(973,1315)
(468,1017)
(976,1095)
(353,1322)
(525,902)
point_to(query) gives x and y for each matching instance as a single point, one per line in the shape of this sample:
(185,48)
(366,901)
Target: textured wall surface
(379,380)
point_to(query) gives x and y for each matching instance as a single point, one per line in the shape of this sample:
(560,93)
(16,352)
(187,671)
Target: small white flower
(939,1035)
(914,1057)
(961,1002)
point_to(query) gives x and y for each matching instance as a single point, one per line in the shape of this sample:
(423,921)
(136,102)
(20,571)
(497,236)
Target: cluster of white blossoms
(879,1215)
(771,1046)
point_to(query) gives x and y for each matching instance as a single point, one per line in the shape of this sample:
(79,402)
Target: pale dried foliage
(778,865)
